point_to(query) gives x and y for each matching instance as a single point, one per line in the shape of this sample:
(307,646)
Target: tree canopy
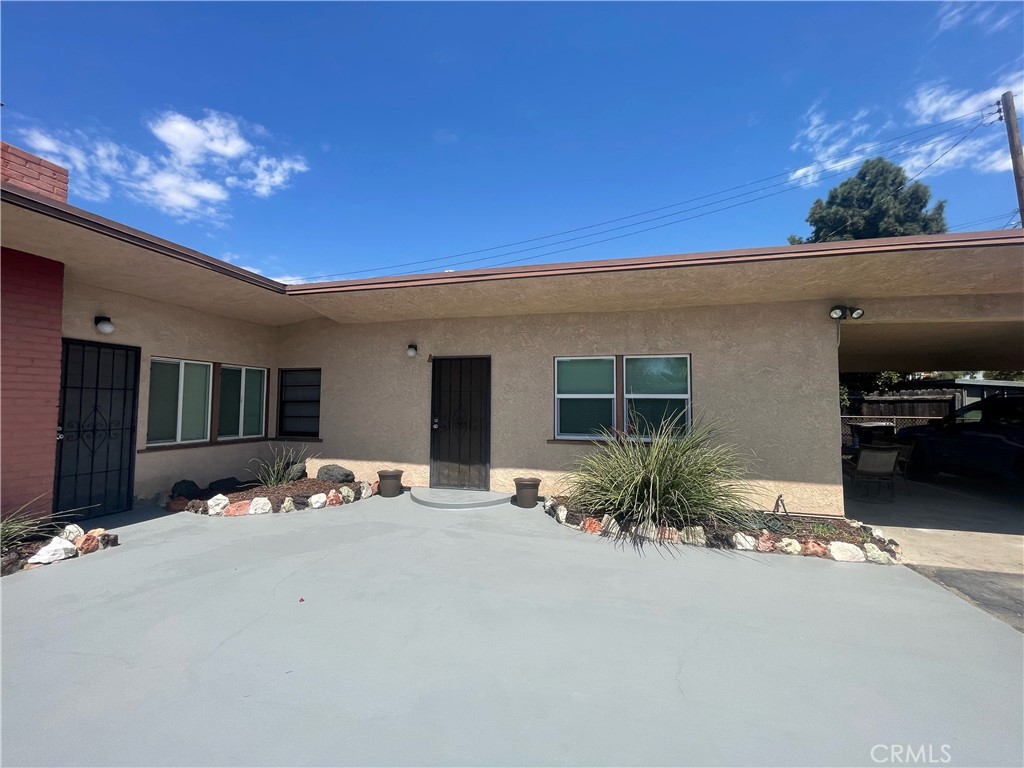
(876,202)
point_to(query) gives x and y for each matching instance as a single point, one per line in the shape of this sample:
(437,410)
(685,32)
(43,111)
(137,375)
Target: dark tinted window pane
(646,415)
(230,401)
(253,420)
(585,377)
(300,403)
(162,420)
(300,378)
(584,416)
(656,375)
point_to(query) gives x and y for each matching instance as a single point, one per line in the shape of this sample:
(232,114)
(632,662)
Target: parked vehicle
(984,438)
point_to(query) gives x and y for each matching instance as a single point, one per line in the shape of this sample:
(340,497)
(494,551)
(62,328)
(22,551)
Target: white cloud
(187,178)
(988,17)
(839,146)
(289,279)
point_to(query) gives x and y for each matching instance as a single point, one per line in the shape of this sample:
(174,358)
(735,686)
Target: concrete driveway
(963,533)
(388,634)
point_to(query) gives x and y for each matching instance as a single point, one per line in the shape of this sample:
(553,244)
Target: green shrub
(678,478)
(29,522)
(274,471)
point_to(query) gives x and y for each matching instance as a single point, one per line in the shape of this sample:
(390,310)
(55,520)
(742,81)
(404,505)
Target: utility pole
(1009,115)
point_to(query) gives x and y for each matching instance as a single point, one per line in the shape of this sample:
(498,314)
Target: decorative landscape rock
(333,498)
(845,552)
(668,535)
(789,547)
(186,489)
(72,532)
(57,549)
(878,533)
(296,472)
(108,540)
(561,513)
(765,542)
(197,507)
(550,505)
(365,490)
(347,494)
(813,548)
(333,473)
(177,504)
(96,532)
(87,544)
(288,505)
(875,555)
(693,534)
(646,531)
(217,504)
(318,500)
(300,502)
(260,506)
(744,541)
(590,525)
(237,509)
(610,525)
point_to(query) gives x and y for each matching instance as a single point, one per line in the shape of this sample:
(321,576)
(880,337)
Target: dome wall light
(103,324)
(856,313)
(838,312)
(411,350)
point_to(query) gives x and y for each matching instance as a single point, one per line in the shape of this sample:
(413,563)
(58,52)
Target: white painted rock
(347,494)
(260,506)
(365,490)
(550,506)
(288,505)
(693,534)
(318,500)
(646,531)
(58,549)
(72,532)
(217,504)
(789,546)
(879,534)
(561,513)
(610,526)
(744,541)
(875,555)
(845,553)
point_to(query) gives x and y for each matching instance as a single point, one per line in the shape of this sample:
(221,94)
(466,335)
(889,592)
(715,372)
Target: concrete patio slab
(386,633)
(965,534)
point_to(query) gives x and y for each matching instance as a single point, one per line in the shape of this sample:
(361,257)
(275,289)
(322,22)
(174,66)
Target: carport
(964,533)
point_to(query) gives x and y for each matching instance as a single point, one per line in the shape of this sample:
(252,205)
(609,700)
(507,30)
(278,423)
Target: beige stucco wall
(165,330)
(769,371)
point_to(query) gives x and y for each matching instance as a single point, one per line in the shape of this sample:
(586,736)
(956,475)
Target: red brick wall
(31,302)
(33,173)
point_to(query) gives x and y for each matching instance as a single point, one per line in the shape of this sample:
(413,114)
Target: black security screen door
(96,428)
(460,423)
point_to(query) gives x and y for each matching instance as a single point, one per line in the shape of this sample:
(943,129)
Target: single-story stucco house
(130,362)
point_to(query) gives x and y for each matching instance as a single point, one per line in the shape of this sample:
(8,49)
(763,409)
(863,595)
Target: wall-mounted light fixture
(841,312)
(411,350)
(103,324)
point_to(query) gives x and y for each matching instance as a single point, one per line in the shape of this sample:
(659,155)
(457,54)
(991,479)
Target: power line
(679,221)
(857,154)
(997,217)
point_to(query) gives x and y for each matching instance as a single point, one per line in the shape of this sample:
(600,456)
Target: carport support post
(1016,156)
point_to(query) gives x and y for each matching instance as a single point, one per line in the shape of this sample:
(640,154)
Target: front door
(96,428)
(460,423)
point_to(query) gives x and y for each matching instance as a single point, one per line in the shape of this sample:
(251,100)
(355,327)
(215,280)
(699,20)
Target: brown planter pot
(526,491)
(390,483)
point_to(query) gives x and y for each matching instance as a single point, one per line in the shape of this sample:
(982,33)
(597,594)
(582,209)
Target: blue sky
(344,138)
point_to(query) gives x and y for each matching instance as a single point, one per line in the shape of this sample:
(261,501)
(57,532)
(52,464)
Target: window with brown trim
(298,413)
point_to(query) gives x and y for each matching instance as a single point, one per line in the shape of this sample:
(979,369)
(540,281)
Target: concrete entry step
(447,498)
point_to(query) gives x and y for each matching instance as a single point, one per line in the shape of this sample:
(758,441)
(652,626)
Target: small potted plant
(526,491)
(390,483)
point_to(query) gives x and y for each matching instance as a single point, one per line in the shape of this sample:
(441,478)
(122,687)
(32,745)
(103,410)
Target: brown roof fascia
(77,217)
(732,257)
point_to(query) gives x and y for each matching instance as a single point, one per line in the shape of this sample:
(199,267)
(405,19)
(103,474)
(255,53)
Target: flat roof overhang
(934,302)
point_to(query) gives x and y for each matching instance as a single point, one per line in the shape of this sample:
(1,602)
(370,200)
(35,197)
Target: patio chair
(874,467)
